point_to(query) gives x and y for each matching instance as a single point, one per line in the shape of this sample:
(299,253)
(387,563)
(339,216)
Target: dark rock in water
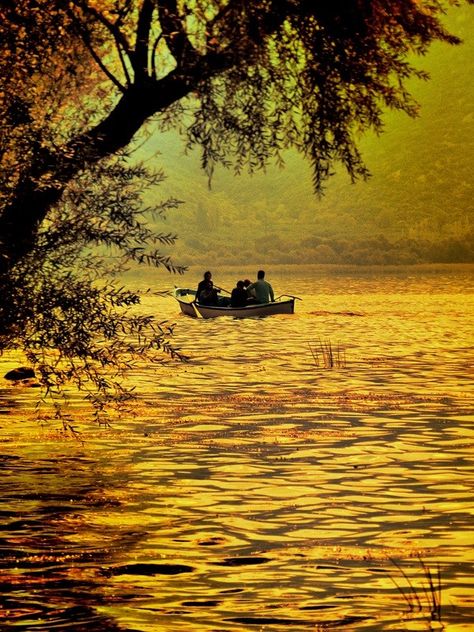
(148,569)
(242,561)
(21,373)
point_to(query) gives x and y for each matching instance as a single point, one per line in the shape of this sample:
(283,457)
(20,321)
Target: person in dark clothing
(208,295)
(251,300)
(239,295)
(202,284)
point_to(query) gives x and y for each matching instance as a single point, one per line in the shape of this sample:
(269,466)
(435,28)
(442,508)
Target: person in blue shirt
(262,289)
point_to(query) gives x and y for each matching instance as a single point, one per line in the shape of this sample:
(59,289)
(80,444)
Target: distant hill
(416,207)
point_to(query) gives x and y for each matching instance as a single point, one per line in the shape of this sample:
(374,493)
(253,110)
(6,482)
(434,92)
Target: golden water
(253,490)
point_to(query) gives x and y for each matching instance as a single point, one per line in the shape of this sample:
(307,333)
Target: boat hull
(185,306)
(250,311)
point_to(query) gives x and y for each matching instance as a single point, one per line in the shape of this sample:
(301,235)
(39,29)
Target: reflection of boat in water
(186,302)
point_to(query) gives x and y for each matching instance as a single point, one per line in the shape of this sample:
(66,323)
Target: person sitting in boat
(238,297)
(251,299)
(208,296)
(202,284)
(262,289)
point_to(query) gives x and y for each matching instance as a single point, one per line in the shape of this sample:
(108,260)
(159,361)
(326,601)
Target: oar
(196,311)
(289,296)
(222,289)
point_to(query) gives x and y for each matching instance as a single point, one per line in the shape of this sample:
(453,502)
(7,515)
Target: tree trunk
(42,187)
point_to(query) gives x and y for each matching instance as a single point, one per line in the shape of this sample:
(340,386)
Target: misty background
(416,207)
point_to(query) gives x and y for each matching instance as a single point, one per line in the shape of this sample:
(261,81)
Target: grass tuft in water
(425,597)
(324,355)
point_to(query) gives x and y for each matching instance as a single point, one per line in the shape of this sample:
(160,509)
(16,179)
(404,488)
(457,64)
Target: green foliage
(64,306)
(245,81)
(314,75)
(416,207)
(45,71)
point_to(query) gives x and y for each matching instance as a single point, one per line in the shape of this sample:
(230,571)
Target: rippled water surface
(256,487)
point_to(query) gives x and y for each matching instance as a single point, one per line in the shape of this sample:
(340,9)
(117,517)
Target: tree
(243,80)
(64,308)
(246,79)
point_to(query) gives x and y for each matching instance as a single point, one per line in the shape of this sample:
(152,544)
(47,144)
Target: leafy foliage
(245,80)
(322,74)
(416,207)
(62,305)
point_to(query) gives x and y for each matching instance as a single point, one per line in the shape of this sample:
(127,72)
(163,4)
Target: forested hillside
(416,207)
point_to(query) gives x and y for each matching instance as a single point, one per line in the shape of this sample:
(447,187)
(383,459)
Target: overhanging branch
(140,55)
(96,57)
(122,44)
(175,34)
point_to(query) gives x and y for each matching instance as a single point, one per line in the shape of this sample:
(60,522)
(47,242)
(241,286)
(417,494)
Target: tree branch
(101,64)
(175,34)
(121,42)
(140,55)
(117,34)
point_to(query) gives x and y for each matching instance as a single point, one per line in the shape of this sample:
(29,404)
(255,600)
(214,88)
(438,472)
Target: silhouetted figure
(208,295)
(262,289)
(202,284)
(238,297)
(251,300)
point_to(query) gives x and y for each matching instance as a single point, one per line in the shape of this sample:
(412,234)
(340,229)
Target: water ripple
(253,488)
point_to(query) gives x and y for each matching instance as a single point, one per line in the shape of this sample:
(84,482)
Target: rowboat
(186,299)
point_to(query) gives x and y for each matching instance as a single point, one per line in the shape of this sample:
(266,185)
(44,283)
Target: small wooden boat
(189,307)
(185,304)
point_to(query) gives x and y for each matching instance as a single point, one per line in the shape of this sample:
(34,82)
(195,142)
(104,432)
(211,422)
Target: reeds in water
(424,597)
(324,355)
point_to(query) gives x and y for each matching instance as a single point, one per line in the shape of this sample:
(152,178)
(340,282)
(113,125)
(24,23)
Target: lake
(257,487)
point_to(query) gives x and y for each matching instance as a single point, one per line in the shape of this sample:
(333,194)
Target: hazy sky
(421,169)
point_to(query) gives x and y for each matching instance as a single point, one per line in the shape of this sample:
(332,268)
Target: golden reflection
(245,496)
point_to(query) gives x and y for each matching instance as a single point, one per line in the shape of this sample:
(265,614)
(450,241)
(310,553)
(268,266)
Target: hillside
(416,207)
